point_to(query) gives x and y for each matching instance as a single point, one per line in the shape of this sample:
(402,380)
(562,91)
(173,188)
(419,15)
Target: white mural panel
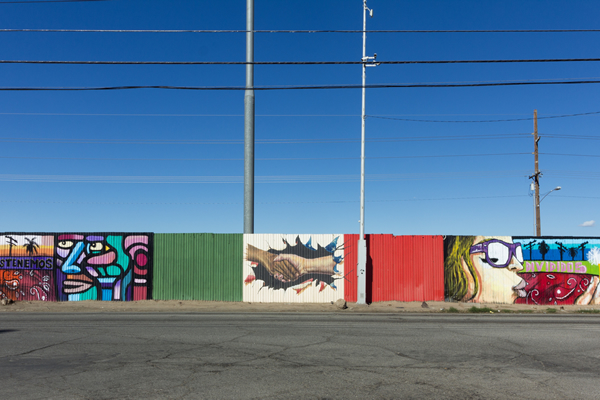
(288,268)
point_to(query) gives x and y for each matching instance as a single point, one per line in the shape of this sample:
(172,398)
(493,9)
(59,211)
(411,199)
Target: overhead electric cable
(266,159)
(485,120)
(399,62)
(173,115)
(580,137)
(262,141)
(299,30)
(48,1)
(239,179)
(270,202)
(569,155)
(389,116)
(299,87)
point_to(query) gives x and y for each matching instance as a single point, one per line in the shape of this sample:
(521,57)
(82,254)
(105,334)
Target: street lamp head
(557,188)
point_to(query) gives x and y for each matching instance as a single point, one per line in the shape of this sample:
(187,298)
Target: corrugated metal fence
(74,266)
(399,268)
(198,266)
(293,268)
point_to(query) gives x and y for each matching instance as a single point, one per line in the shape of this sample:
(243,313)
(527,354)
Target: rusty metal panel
(293,268)
(198,266)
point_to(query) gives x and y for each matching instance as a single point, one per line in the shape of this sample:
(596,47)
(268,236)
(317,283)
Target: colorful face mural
(73,267)
(102,267)
(560,271)
(522,270)
(482,268)
(293,268)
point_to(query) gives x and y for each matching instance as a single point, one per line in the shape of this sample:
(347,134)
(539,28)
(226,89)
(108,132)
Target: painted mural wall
(73,266)
(522,270)
(76,266)
(293,268)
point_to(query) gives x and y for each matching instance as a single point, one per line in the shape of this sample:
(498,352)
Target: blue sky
(172,161)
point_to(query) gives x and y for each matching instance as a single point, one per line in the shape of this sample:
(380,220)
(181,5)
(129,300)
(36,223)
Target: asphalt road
(273,356)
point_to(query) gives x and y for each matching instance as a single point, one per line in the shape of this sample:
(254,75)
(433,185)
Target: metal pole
(362,131)
(361,268)
(249,122)
(538,222)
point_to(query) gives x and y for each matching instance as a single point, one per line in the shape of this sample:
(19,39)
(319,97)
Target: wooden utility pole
(536,176)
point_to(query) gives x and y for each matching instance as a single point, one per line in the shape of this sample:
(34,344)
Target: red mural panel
(556,289)
(26,285)
(399,268)
(350,260)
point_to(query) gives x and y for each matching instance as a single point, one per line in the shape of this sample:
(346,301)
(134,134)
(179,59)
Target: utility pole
(536,176)
(361,268)
(249,122)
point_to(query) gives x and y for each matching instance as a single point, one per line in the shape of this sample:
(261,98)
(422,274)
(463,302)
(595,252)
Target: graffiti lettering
(547,277)
(555,266)
(26,263)
(75,266)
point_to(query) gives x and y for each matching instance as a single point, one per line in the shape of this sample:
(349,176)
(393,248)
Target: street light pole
(361,282)
(539,228)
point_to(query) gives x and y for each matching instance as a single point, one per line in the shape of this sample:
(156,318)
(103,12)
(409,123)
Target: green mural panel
(198,266)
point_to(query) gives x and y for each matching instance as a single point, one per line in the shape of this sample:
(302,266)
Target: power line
(580,137)
(391,117)
(278,179)
(280,202)
(47,1)
(266,159)
(568,155)
(290,30)
(299,87)
(173,115)
(262,141)
(286,158)
(487,120)
(270,202)
(399,62)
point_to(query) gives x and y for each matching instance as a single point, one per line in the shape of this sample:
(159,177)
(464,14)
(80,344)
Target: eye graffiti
(103,267)
(522,270)
(75,266)
(498,254)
